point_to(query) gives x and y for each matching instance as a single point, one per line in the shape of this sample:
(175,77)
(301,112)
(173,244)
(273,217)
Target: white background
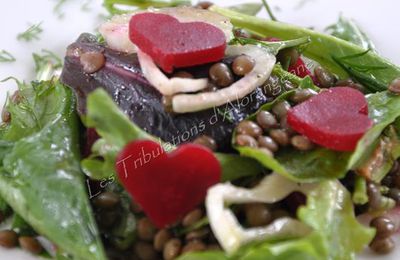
(379,19)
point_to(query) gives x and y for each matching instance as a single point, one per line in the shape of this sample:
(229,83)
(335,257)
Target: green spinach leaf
(41,177)
(322,49)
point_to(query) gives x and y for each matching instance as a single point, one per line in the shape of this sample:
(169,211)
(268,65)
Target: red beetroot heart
(336,118)
(173,44)
(167,185)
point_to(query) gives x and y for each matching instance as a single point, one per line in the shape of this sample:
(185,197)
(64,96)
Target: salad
(196,132)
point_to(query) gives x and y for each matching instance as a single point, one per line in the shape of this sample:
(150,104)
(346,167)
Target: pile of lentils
(151,243)
(385,224)
(191,234)
(270,131)
(168,244)
(386,194)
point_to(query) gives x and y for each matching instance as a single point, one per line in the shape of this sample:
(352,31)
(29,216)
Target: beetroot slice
(167,185)
(172,44)
(336,118)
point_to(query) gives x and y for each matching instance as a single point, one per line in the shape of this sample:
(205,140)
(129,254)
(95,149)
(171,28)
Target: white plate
(378,19)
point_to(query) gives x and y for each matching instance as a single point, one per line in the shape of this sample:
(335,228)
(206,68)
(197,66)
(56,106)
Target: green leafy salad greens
(43,177)
(40,175)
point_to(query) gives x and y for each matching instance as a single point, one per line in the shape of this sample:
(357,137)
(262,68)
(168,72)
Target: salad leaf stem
(360,196)
(273,47)
(269,10)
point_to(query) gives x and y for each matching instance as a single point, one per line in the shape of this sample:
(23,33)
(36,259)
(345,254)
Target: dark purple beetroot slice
(122,78)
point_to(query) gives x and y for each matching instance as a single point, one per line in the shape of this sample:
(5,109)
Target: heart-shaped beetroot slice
(167,185)
(336,118)
(172,44)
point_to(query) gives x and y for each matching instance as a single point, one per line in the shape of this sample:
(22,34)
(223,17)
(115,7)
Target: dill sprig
(5,56)
(32,33)
(58,8)
(361,70)
(46,59)
(357,66)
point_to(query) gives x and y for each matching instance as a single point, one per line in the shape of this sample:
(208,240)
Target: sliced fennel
(230,234)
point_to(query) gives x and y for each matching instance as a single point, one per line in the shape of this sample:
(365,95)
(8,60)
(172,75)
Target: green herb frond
(21,84)
(58,8)
(360,71)
(32,33)
(5,56)
(47,57)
